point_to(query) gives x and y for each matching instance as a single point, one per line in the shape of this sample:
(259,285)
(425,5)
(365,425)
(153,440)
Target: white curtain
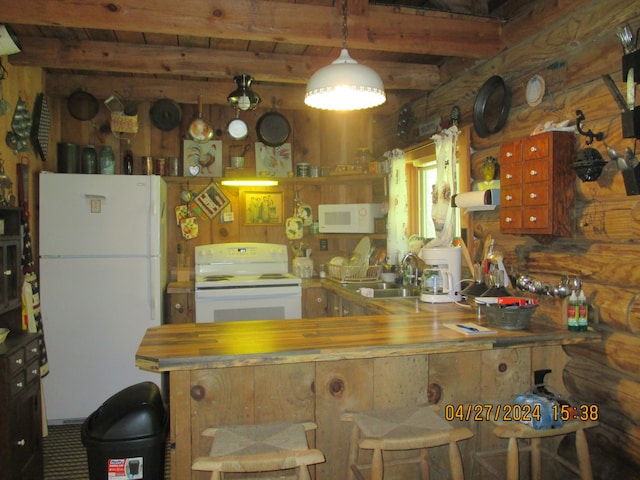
(398,215)
(446,186)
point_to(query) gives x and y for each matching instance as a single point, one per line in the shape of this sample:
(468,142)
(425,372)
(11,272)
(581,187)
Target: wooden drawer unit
(21,453)
(537,184)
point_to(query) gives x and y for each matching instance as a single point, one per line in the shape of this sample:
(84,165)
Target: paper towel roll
(480,200)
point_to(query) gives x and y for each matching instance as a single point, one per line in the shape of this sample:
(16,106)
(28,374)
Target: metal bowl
(508,318)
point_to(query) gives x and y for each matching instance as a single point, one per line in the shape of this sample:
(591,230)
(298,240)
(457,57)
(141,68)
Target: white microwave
(348,218)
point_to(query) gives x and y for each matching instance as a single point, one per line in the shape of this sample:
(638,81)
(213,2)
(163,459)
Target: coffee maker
(441,275)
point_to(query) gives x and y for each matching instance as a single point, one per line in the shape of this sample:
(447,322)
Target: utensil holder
(631,123)
(631,177)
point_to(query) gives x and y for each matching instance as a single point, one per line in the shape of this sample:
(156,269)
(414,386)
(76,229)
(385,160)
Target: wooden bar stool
(514,431)
(410,428)
(259,448)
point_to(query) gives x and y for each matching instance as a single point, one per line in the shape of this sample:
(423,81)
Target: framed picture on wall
(202,159)
(273,161)
(262,208)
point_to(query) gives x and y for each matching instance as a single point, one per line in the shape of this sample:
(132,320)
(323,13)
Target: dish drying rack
(354,273)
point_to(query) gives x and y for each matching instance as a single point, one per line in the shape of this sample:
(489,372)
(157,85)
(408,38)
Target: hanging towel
(445,187)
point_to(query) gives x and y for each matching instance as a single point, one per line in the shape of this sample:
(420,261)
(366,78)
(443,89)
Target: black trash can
(125,438)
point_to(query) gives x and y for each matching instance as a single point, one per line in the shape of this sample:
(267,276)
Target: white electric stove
(245,281)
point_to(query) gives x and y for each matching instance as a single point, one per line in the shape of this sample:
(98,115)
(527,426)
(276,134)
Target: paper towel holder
(477,201)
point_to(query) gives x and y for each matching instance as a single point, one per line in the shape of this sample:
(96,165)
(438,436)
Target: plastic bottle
(572,312)
(583,309)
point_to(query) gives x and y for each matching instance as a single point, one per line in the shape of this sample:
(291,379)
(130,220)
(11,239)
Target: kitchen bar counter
(313,369)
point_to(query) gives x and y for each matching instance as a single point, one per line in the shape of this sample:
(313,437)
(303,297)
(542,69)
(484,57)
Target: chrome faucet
(407,260)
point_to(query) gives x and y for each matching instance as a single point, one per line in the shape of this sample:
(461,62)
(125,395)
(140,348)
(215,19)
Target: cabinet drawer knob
(534,149)
(319,299)
(22,442)
(533,195)
(18,361)
(533,173)
(509,154)
(34,371)
(509,176)
(508,219)
(509,198)
(178,307)
(8,273)
(532,219)
(34,350)
(20,384)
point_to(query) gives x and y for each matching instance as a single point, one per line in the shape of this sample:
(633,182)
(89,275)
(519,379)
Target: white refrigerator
(102,278)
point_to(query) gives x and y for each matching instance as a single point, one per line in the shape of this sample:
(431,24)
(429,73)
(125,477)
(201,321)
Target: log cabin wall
(572,50)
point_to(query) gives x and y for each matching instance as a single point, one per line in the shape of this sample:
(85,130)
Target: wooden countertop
(263,342)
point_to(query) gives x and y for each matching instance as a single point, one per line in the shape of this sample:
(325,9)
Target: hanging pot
(82,105)
(238,128)
(273,128)
(165,114)
(199,129)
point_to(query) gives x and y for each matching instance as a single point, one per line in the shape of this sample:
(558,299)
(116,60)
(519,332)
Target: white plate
(535,90)
(362,250)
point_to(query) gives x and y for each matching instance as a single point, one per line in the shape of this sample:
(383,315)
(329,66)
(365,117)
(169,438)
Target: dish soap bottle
(583,309)
(572,312)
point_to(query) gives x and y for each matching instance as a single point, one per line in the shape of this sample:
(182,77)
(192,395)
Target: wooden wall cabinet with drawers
(21,454)
(537,184)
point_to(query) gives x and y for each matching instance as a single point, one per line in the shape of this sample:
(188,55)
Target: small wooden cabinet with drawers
(537,183)
(21,454)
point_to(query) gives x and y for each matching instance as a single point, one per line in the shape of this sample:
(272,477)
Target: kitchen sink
(387,290)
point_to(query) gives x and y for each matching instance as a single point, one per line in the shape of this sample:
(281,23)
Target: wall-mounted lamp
(249,183)
(243,97)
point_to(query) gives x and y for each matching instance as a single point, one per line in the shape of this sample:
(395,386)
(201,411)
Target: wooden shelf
(285,180)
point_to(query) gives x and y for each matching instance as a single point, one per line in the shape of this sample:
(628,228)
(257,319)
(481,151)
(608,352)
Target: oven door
(271,302)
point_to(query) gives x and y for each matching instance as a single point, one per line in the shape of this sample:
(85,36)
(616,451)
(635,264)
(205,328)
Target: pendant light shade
(345,85)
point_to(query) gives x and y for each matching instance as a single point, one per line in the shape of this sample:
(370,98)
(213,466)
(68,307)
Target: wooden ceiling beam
(379,28)
(88,55)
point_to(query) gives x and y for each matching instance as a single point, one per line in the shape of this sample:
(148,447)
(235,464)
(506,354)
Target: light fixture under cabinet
(247,182)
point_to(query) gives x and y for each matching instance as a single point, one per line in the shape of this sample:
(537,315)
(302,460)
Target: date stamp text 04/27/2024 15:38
(520,413)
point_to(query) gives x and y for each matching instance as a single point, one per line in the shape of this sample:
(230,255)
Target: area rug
(65,458)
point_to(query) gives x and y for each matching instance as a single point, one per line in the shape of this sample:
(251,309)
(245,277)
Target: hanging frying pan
(165,114)
(82,105)
(199,129)
(273,128)
(238,128)
(491,107)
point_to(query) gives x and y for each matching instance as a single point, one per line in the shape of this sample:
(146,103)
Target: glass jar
(107,161)
(89,160)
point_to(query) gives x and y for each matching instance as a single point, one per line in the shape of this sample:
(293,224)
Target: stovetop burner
(216,278)
(270,276)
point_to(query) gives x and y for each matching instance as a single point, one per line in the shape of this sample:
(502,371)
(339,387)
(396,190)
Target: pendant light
(243,97)
(345,84)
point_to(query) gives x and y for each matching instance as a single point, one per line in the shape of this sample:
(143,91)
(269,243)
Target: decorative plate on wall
(535,90)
